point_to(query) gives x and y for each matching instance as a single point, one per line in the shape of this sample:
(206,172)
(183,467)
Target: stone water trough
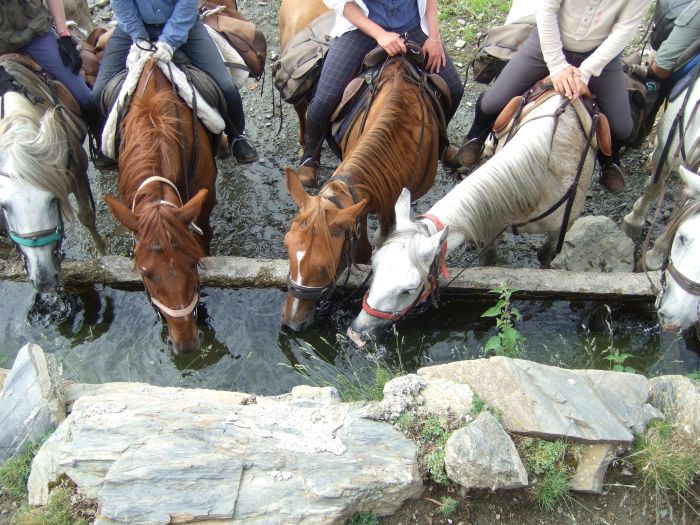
(154,455)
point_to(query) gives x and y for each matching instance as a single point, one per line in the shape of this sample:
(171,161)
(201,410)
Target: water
(115,335)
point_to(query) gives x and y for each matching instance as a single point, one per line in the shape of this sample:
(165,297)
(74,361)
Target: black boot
(662,92)
(313,141)
(95,123)
(611,174)
(470,151)
(242,149)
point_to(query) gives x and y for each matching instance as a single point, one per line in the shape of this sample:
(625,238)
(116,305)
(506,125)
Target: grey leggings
(343,62)
(528,66)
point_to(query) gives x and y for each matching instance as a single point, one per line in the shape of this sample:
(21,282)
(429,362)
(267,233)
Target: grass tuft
(364,518)
(14,473)
(547,461)
(58,511)
(448,506)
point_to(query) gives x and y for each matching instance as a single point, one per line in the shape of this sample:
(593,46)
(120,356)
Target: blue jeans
(44,50)
(201,51)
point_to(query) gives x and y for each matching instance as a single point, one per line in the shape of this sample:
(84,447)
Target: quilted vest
(21,21)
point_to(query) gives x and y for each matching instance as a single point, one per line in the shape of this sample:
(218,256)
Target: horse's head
(34,187)
(401,274)
(678,305)
(315,243)
(166,255)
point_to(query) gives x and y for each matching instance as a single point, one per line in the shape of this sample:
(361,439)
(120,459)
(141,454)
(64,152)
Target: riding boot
(95,124)
(313,140)
(611,174)
(469,152)
(663,90)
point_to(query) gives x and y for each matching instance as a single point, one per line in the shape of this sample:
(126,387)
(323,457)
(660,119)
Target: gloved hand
(164,52)
(139,47)
(69,54)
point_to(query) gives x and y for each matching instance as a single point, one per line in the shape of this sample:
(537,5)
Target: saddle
(543,90)
(358,94)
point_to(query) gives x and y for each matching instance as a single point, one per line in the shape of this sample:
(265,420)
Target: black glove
(69,54)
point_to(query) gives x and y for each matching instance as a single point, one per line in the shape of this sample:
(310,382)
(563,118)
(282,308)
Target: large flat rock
(549,402)
(167,455)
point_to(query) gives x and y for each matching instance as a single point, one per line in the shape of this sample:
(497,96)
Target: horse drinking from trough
(537,182)
(393,145)
(41,162)
(167,176)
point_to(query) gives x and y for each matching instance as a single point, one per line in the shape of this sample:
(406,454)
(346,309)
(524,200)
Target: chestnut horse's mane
(380,166)
(153,148)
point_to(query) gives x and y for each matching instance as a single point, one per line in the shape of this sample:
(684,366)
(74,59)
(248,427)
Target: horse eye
(681,238)
(146,274)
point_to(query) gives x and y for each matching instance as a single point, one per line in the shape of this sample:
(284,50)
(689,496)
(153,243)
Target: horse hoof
(632,231)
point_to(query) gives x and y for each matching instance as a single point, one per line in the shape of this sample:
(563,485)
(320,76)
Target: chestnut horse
(295,15)
(167,178)
(396,148)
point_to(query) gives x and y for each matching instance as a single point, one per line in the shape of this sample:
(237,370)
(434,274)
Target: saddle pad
(683,77)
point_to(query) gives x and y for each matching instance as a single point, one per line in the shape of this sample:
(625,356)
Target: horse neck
(514,183)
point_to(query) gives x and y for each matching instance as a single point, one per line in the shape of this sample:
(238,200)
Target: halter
(430,287)
(182,312)
(690,286)
(303,292)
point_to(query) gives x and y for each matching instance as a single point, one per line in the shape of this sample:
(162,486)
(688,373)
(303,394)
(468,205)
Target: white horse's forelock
(35,145)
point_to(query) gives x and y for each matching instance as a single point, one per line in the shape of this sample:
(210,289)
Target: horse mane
(152,141)
(378,165)
(37,145)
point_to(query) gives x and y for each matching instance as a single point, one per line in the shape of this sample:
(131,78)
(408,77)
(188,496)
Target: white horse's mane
(37,145)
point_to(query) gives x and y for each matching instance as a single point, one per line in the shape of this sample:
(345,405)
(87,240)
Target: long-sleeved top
(178,17)
(583,25)
(342,24)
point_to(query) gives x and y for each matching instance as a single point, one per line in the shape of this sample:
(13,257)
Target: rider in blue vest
(171,25)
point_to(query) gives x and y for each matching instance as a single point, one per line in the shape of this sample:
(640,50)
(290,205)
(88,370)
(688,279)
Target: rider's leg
(44,49)
(522,71)
(202,52)
(340,66)
(449,74)
(610,87)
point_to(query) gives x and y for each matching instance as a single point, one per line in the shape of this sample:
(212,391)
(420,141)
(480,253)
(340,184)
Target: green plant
(406,421)
(617,360)
(547,460)
(14,473)
(543,456)
(478,405)
(434,433)
(552,489)
(435,461)
(448,506)
(58,511)
(695,376)
(508,341)
(665,458)
(363,518)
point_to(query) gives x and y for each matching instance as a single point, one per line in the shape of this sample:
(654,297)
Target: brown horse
(167,178)
(295,15)
(397,148)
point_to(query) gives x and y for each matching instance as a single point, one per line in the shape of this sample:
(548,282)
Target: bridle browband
(182,312)
(313,293)
(431,285)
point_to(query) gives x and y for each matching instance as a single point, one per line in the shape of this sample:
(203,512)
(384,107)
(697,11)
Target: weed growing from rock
(665,458)
(508,341)
(364,518)
(478,405)
(448,506)
(65,507)
(548,462)
(14,473)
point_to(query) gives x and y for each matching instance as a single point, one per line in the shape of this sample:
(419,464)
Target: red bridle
(437,265)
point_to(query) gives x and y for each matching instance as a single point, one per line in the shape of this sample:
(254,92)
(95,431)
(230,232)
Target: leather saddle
(543,90)
(357,96)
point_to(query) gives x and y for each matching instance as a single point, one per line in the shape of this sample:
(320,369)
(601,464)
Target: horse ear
(402,208)
(122,214)
(347,216)
(191,209)
(294,187)
(428,248)
(692,181)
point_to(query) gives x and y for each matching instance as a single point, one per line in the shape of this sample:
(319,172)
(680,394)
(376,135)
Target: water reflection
(114,335)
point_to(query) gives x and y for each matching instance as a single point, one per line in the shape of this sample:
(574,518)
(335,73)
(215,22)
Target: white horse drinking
(525,183)
(38,170)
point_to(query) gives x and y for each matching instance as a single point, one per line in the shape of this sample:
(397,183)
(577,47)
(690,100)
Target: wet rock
(591,468)
(442,397)
(163,455)
(482,456)
(327,394)
(399,395)
(595,244)
(550,402)
(31,402)
(678,398)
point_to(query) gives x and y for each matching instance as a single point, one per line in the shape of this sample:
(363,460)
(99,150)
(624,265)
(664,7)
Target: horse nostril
(200,336)
(170,342)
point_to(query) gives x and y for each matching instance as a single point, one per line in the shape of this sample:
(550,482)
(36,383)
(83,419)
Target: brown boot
(307,172)
(470,152)
(611,177)
(449,158)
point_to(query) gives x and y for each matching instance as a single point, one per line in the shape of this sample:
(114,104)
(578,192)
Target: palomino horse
(398,147)
(295,15)
(678,304)
(167,178)
(532,180)
(41,163)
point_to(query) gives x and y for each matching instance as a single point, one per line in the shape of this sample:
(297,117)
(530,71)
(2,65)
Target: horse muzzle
(185,346)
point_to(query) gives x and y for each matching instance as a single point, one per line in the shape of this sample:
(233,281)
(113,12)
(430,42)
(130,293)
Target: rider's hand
(565,82)
(581,90)
(392,43)
(435,55)
(69,54)
(138,48)
(164,52)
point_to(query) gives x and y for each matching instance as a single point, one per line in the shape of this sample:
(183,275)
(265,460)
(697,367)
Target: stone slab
(591,469)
